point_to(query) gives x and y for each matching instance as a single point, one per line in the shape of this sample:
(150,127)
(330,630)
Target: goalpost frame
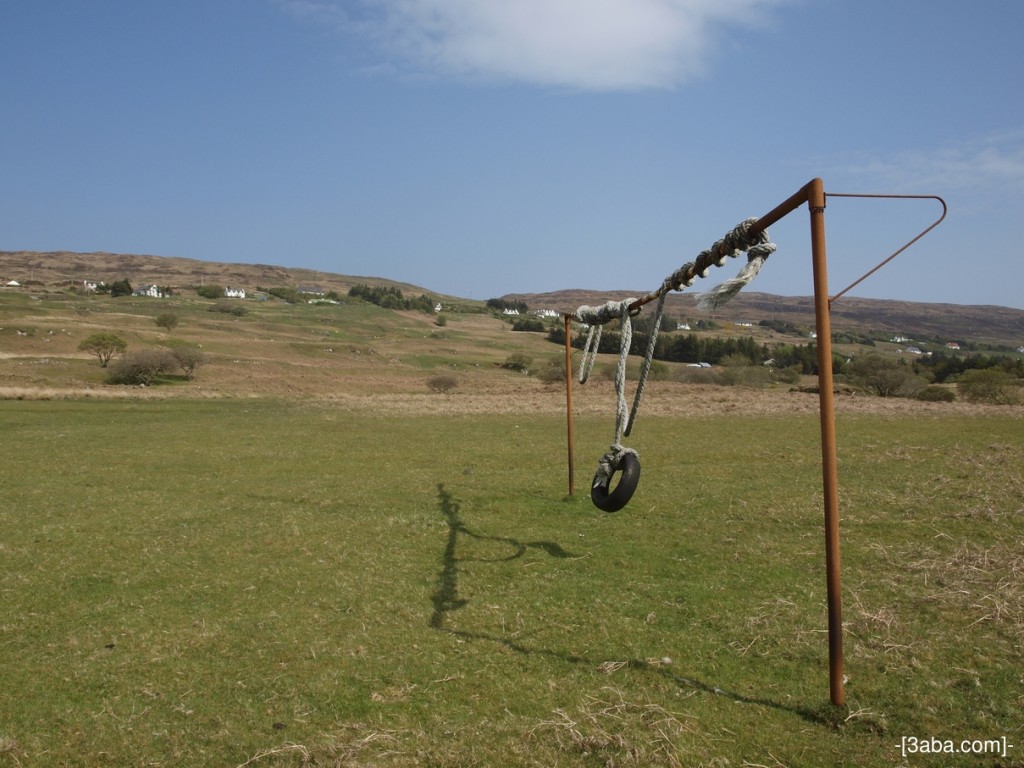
(813,194)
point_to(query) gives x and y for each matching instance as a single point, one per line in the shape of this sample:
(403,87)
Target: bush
(554,371)
(443,383)
(517,361)
(884,376)
(789,375)
(229,308)
(167,320)
(142,367)
(189,358)
(988,385)
(743,376)
(534,324)
(936,394)
(105,346)
(211,291)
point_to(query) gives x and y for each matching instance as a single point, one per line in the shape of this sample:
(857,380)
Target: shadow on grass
(446,600)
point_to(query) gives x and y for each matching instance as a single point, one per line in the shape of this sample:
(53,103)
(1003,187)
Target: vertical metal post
(833,585)
(568,399)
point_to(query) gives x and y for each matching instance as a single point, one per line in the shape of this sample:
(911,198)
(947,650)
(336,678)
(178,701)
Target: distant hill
(952,322)
(56,268)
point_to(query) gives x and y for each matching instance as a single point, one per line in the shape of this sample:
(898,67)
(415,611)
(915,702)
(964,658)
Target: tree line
(389,297)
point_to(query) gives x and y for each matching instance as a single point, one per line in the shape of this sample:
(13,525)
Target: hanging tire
(628,469)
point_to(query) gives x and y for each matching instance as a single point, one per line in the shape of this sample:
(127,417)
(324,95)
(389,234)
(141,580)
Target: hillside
(952,322)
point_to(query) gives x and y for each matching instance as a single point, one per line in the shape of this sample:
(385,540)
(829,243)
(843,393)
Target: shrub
(104,345)
(142,367)
(936,394)
(554,371)
(988,385)
(884,376)
(789,375)
(442,383)
(189,358)
(167,320)
(743,376)
(534,324)
(211,291)
(229,308)
(517,361)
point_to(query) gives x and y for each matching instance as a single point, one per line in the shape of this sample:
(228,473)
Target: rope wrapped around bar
(758,248)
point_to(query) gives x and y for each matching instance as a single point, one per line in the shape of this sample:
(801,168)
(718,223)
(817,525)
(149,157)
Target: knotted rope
(758,248)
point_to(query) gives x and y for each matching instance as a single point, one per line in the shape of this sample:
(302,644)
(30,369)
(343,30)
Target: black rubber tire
(629,477)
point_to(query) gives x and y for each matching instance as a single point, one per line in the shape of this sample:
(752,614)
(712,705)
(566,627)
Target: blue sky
(483,147)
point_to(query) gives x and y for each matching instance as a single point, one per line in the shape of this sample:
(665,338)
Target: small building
(12,284)
(952,345)
(234,293)
(509,311)
(150,290)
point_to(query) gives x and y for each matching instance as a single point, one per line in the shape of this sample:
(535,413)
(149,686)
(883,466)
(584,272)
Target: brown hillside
(951,322)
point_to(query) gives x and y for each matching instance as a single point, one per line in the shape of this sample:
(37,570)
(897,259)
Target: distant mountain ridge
(953,322)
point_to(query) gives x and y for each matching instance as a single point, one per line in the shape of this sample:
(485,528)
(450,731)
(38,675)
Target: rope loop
(757,246)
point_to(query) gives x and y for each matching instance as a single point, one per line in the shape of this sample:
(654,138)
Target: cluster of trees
(689,348)
(941,367)
(389,297)
(529,323)
(978,378)
(502,304)
(144,366)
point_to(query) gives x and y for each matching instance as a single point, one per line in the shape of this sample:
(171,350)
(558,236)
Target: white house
(900,339)
(89,285)
(234,293)
(510,311)
(13,284)
(148,290)
(682,326)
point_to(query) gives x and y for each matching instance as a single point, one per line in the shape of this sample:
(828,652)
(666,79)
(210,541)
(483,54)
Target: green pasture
(228,583)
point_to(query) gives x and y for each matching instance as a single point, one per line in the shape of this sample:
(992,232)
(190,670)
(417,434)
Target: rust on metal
(812,193)
(900,250)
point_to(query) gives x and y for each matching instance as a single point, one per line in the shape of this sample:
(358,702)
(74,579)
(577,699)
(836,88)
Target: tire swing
(619,460)
(622,460)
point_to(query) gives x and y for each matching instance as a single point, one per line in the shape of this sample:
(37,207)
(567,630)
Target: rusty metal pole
(833,584)
(568,400)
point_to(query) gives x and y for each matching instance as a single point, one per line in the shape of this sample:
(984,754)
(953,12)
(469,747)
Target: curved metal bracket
(885,261)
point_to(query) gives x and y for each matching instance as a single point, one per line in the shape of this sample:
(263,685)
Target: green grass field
(228,583)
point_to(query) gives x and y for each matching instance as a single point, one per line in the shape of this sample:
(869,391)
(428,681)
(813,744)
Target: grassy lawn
(251,582)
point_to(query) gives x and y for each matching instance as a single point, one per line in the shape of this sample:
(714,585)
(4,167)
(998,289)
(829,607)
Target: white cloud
(586,44)
(993,163)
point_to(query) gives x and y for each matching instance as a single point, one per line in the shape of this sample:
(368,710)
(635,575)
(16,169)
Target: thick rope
(758,248)
(646,366)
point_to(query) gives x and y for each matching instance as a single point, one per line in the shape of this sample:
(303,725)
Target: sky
(479,148)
